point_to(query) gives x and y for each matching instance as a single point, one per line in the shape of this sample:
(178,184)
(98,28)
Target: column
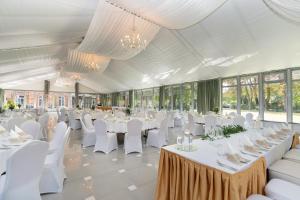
(76,94)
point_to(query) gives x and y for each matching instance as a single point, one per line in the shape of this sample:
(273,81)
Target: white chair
(87,119)
(53,175)
(232,114)
(249,122)
(158,118)
(73,122)
(133,140)
(258,197)
(286,170)
(89,136)
(24,169)
(210,123)
(293,155)
(120,114)
(43,120)
(58,136)
(105,141)
(32,128)
(194,128)
(278,189)
(158,137)
(16,121)
(239,120)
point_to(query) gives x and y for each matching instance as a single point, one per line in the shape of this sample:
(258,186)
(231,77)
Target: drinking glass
(180,142)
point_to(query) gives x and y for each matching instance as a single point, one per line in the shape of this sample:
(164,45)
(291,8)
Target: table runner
(180,178)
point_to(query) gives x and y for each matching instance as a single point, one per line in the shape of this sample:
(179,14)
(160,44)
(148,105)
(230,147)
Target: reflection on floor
(95,176)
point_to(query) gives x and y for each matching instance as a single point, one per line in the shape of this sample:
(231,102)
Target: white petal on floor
(86,164)
(149,164)
(84,155)
(132,188)
(139,155)
(121,171)
(87,178)
(114,159)
(90,198)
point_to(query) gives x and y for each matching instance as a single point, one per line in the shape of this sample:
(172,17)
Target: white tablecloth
(207,152)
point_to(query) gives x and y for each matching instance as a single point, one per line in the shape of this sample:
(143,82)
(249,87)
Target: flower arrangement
(128,111)
(232,129)
(93,107)
(216,110)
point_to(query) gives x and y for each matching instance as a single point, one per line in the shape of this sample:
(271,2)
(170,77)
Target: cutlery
(226,166)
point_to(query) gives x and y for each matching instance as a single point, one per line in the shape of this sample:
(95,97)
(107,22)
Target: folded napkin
(231,153)
(22,133)
(14,137)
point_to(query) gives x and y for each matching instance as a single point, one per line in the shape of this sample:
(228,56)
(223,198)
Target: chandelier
(92,66)
(133,40)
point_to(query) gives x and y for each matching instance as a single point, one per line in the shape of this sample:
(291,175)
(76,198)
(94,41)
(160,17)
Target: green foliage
(128,111)
(10,105)
(2,110)
(216,110)
(93,107)
(232,129)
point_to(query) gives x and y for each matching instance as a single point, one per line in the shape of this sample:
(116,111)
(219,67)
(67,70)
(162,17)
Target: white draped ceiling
(171,14)
(289,9)
(228,38)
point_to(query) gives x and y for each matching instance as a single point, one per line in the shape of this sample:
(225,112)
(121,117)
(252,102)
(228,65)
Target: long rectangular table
(196,175)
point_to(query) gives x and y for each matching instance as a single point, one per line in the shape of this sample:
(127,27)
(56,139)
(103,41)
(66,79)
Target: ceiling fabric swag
(289,9)
(108,26)
(81,62)
(171,14)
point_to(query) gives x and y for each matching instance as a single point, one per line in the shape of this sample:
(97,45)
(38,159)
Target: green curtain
(131,98)
(1,97)
(115,99)
(161,97)
(208,95)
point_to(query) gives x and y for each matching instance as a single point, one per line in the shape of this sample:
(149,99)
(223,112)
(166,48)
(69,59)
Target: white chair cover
(258,197)
(88,121)
(16,121)
(105,142)
(24,169)
(73,122)
(32,128)
(210,123)
(249,122)
(239,120)
(62,115)
(89,136)
(170,121)
(195,129)
(133,140)
(158,138)
(53,174)
(43,120)
(58,136)
(278,189)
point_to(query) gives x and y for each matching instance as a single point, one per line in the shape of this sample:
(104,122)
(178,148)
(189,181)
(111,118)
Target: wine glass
(180,142)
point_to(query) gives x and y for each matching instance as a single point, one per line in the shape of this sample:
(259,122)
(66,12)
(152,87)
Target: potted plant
(216,110)
(128,111)
(11,105)
(93,107)
(19,106)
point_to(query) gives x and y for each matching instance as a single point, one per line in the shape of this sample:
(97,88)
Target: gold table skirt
(182,179)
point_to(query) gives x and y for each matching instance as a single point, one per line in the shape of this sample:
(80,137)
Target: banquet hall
(149,100)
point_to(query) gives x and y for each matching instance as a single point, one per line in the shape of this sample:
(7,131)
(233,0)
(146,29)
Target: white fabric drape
(108,26)
(289,9)
(77,61)
(172,14)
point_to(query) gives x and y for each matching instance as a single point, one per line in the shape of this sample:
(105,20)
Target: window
(249,95)
(229,95)
(195,91)
(187,97)
(137,98)
(155,98)
(274,94)
(147,100)
(167,98)
(176,97)
(296,95)
(61,101)
(20,99)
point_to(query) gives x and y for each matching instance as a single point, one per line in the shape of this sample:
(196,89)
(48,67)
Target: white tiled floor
(95,176)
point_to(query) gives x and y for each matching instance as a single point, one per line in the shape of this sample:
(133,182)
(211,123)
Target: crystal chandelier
(92,66)
(133,40)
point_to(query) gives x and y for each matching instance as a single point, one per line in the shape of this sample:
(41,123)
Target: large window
(176,97)
(167,98)
(187,97)
(61,101)
(155,98)
(229,95)
(147,100)
(249,95)
(275,93)
(195,92)
(296,95)
(138,98)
